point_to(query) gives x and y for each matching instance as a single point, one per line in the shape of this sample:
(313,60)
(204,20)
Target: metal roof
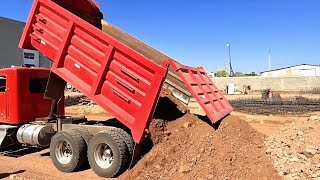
(290,67)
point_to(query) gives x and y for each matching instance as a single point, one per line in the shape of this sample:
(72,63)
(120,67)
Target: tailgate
(204,91)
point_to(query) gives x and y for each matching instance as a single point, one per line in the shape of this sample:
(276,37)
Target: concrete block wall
(259,83)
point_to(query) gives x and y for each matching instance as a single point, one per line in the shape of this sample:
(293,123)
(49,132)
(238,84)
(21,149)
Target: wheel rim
(103,155)
(63,152)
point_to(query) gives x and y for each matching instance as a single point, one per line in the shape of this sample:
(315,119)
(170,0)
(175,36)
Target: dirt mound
(295,149)
(189,148)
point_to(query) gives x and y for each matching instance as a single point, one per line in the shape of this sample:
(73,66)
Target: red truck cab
(21,95)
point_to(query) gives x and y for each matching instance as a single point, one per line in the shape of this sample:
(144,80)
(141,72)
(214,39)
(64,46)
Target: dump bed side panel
(117,78)
(172,82)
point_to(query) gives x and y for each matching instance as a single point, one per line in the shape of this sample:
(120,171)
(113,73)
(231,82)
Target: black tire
(119,151)
(127,139)
(75,143)
(85,134)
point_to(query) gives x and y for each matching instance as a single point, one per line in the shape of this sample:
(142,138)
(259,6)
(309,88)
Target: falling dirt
(165,93)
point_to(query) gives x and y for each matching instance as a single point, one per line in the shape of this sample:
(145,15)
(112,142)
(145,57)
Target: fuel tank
(36,135)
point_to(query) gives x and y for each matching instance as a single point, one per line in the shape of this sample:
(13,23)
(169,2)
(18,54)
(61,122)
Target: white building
(302,70)
(211,75)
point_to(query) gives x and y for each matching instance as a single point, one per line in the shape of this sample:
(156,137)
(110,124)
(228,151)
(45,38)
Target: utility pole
(231,73)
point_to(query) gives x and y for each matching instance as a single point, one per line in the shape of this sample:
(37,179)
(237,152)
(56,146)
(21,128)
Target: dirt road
(37,165)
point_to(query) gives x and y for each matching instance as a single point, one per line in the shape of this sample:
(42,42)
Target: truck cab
(22,95)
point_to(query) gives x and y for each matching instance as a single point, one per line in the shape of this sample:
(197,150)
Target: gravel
(295,149)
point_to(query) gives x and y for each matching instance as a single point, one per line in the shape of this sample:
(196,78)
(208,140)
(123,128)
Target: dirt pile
(295,149)
(189,148)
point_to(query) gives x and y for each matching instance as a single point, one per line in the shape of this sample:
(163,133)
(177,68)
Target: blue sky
(196,32)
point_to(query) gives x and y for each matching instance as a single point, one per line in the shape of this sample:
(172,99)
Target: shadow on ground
(18,150)
(4,175)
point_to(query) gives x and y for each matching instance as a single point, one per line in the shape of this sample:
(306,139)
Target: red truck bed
(118,78)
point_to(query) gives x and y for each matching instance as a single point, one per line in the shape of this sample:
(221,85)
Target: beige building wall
(259,83)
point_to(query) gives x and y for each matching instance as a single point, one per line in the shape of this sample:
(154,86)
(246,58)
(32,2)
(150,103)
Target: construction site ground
(185,147)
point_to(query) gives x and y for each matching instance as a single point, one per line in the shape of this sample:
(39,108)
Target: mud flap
(136,155)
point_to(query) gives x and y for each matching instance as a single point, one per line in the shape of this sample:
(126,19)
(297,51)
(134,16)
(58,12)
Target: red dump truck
(120,73)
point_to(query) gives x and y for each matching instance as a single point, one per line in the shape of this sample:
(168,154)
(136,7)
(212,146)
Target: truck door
(3,99)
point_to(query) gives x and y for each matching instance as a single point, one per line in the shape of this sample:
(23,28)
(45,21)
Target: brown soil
(37,166)
(189,148)
(86,110)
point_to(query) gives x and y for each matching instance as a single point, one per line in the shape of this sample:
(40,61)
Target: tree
(222,73)
(238,74)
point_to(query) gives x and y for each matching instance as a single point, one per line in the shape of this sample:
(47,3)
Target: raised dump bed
(121,74)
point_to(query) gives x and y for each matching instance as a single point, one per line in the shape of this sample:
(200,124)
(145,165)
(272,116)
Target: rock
(289,152)
(13,176)
(184,169)
(302,156)
(280,173)
(210,176)
(294,159)
(268,150)
(167,133)
(310,151)
(165,139)
(187,124)
(314,118)
(299,133)
(279,154)
(286,171)
(158,166)
(314,175)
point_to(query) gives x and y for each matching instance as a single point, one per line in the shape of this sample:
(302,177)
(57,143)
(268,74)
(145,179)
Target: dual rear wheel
(108,153)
